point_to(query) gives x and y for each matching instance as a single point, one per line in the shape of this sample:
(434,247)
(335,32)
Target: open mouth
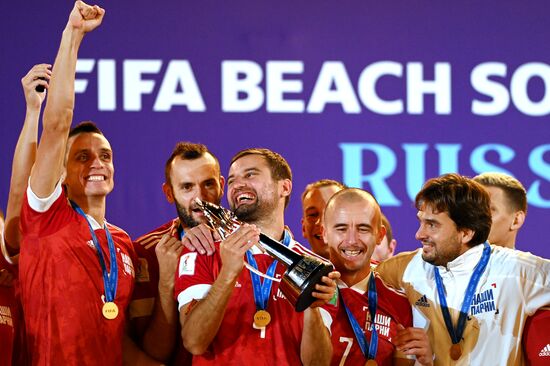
(351,253)
(244,198)
(95,178)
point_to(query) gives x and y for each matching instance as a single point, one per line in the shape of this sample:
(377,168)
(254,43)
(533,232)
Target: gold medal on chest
(261,318)
(371,363)
(110,310)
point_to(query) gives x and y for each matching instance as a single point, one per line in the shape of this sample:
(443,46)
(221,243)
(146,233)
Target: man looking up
(508,207)
(218,300)
(473,297)
(314,200)
(369,313)
(76,271)
(191,171)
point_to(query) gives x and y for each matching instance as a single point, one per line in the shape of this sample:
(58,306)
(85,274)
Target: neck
(92,206)
(272,227)
(353,278)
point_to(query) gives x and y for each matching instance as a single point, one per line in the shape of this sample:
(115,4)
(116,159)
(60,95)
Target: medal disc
(261,318)
(371,363)
(110,310)
(456,351)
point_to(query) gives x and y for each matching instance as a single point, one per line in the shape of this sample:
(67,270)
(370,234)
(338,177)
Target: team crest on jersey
(483,302)
(90,243)
(187,264)
(142,274)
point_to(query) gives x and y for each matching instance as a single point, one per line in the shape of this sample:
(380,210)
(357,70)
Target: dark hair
(277,164)
(320,184)
(386,223)
(186,151)
(514,191)
(465,201)
(84,127)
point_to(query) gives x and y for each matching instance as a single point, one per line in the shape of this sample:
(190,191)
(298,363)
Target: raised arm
(201,320)
(25,151)
(58,112)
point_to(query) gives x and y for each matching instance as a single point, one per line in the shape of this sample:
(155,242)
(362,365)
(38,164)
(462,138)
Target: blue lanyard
(110,280)
(456,333)
(182,234)
(358,331)
(262,290)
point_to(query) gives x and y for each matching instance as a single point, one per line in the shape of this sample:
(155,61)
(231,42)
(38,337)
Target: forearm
(160,336)
(316,346)
(201,324)
(58,115)
(23,160)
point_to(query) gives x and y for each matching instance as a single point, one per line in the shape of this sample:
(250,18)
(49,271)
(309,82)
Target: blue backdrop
(381,95)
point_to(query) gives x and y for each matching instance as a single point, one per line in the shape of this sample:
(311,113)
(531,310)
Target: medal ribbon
(456,333)
(262,290)
(358,331)
(110,280)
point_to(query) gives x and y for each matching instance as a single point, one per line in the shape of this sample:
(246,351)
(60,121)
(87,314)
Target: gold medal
(110,310)
(261,318)
(371,363)
(456,351)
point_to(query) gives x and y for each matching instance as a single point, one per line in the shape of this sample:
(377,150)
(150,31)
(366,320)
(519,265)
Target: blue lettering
(353,170)
(480,164)
(540,167)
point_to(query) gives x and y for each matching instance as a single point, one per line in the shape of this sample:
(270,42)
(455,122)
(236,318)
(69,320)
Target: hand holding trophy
(303,272)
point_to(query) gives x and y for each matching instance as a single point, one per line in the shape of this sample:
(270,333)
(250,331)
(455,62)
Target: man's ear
(519,219)
(222,184)
(168,193)
(381,234)
(286,185)
(467,235)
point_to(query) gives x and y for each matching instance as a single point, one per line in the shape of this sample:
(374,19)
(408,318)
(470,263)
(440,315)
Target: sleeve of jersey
(194,277)
(535,275)
(44,216)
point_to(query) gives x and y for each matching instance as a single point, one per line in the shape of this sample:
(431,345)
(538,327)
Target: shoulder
(153,237)
(517,260)
(398,262)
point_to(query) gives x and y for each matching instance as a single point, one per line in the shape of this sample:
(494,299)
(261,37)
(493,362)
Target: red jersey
(393,308)
(11,324)
(238,341)
(62,286)
(147,279)
(536,338)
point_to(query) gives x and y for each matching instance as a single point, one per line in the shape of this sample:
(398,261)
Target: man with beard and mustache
(218,300)
(472,297)
(191,172)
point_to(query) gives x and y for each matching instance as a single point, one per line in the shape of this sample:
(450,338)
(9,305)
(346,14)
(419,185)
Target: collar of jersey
(466,262)
(360,287)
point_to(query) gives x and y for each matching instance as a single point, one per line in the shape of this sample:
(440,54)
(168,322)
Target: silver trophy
(303,272)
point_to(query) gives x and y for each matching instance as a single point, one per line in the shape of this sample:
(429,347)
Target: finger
(335,275)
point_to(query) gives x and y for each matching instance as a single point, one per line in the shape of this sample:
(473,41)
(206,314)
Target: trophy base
(299,281)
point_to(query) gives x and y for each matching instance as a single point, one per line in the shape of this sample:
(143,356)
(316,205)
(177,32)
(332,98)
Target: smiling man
(472,297)
(76,270)
(219,301)
(369,313)
(191,172)
(314,200)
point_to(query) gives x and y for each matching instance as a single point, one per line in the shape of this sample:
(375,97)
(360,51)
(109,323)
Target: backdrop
(377,94)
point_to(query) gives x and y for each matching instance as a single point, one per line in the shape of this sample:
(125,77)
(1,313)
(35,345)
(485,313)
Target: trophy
(303,272)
